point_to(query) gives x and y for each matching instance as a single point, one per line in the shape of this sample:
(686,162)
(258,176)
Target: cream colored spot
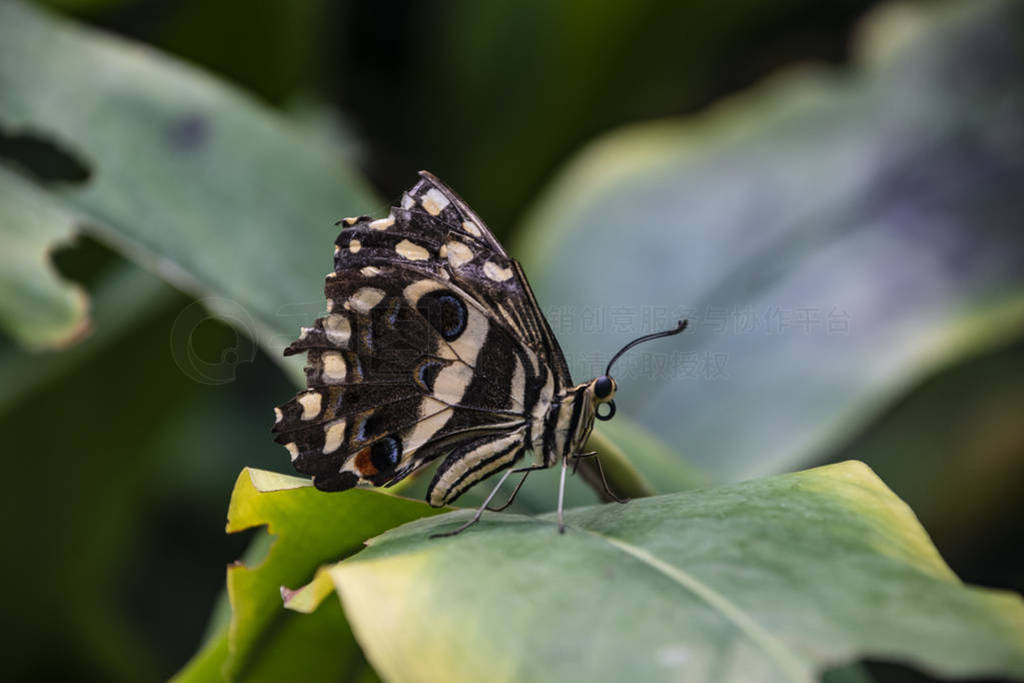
(443,251)
(411,251)
(334,433)
(330,275)
(351,220)
(293,450)
(370,271)
(354,246)
(278,415)
(333,366)
(452,381)
(310,402)
(433,415)
(383,223)
(472,228)
(407,201)
(496,272)
(304,332)
(458,254)
(434,202)
(467,346)
(330,305)
(365,299)
(417,289)
(337,250)
(338,329)
(518,388)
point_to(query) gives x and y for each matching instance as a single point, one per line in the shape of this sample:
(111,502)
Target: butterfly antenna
(647,337)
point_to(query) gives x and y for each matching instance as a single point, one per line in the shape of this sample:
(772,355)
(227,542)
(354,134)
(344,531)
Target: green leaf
(833,237)
(264,641)
(956,437)
(190,178)
(772,580)
(207,664)
(37,307)
(622,442)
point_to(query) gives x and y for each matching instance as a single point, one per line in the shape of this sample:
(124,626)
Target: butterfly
(434,346)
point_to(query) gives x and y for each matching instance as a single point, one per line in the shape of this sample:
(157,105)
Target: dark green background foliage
(833,201)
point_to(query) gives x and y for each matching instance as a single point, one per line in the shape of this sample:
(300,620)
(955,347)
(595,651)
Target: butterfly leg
(561,496)
(604,483)
(479,511)
(600,471)
(579,456)
(526,472)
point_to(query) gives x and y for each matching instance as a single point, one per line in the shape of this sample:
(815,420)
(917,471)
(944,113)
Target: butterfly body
(433,346)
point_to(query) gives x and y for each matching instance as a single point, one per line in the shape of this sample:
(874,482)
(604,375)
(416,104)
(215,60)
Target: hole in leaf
(84,260)
(43,158)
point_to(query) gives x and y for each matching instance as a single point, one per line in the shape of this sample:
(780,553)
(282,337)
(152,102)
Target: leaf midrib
(786,660)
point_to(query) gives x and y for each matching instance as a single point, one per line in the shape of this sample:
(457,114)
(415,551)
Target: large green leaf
(192,179)
(263,640)
(772,580)
(833,237)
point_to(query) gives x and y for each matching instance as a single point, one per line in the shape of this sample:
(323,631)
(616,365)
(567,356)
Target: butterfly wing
(477,262)
(432,345)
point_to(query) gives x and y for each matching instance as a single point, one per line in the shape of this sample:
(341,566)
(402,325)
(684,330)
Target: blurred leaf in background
(879,198)
(832,237)
(126,507)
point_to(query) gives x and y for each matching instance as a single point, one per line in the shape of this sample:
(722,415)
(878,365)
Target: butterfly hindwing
(472,462)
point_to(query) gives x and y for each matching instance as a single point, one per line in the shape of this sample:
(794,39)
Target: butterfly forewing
(432,345)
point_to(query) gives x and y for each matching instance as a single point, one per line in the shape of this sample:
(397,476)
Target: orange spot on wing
(364,464)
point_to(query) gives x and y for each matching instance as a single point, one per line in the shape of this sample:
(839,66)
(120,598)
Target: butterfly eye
(603,387)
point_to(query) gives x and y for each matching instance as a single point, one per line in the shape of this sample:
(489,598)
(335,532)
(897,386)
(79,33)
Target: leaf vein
(785,659)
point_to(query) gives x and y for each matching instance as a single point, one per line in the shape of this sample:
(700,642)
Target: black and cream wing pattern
(432,346)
